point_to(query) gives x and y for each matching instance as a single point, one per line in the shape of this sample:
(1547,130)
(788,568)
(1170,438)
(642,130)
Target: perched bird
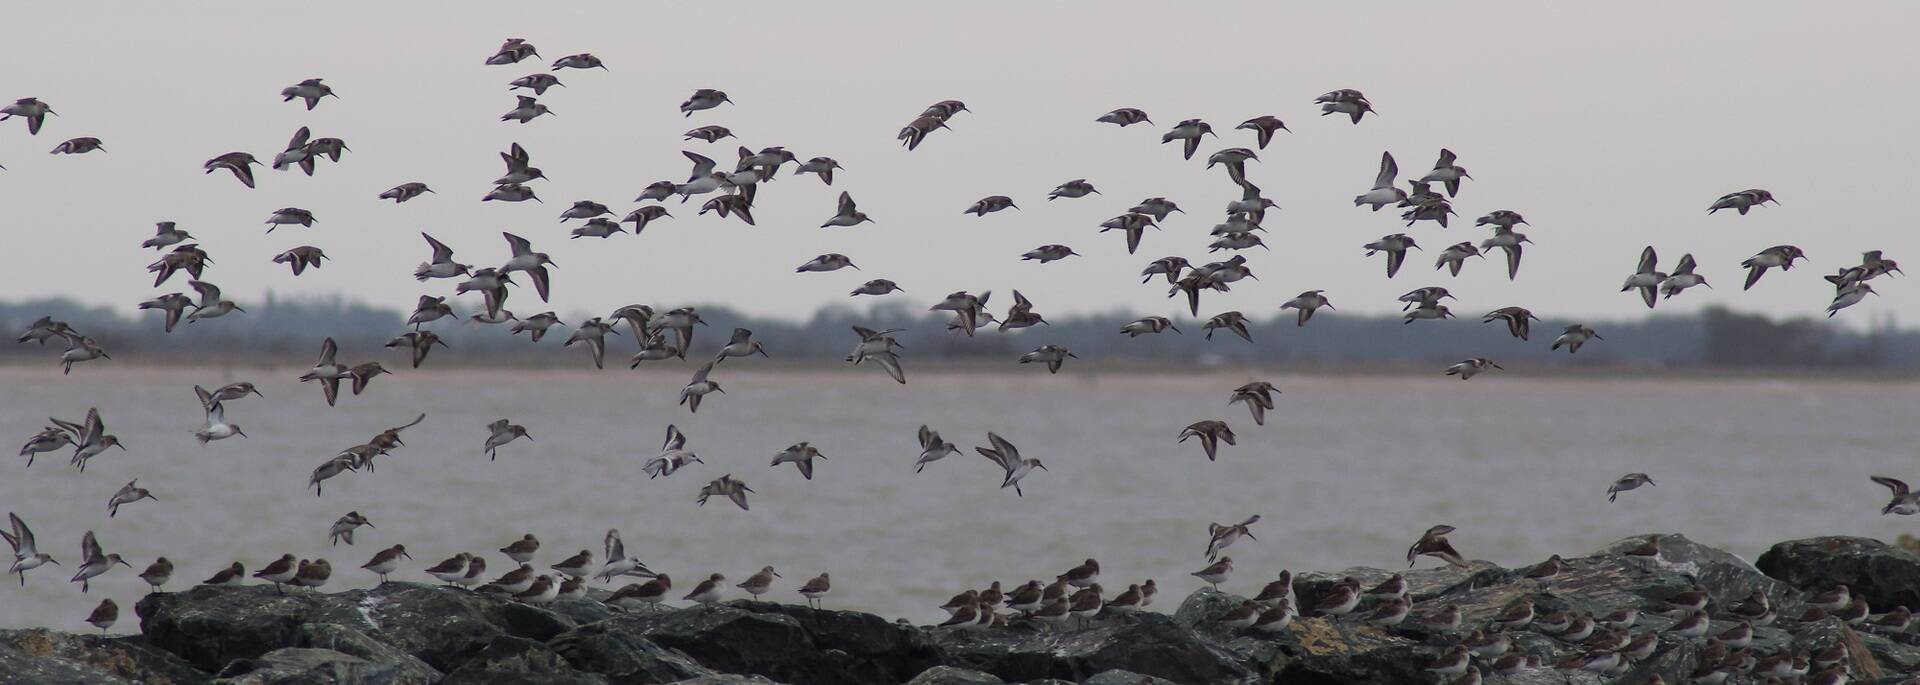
(157,574)
(104,616)
(386,561)
(1216,573)
(816,588)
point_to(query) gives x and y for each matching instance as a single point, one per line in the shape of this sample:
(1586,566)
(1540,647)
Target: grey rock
(948,675)
(44,656)
(306,666)
(1883,575)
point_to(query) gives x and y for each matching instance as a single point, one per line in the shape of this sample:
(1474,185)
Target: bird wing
(22,538)
(1446,159)
(700,375)
(615,548)
(1648,260)
(1006,449)
(847,207)
(94,428)
(441,253)
(519,245)
(676,440)
(209,293)
(1898,487)
(90,549)
(299,139)
(516,158)
(1388,171)
(702,165)
(328,348)
(927,437)
(1686,265)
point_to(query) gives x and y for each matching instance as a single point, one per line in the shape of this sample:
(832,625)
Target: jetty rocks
(404,633)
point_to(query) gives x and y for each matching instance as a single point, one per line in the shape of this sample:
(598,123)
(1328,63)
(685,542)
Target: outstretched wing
(846,204)
(1648,260)
(702,164)
(519,245)
(441,253)
(1388,171)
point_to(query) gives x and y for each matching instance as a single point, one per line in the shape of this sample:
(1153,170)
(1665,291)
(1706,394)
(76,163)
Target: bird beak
(1042,467)
(122,446)
(239,432)
(123,562)
(369,523)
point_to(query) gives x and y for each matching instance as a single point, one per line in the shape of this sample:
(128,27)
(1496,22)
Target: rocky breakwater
(1777,620)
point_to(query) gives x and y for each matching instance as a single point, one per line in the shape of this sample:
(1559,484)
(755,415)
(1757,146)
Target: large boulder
(948,675)
(305,666)
(511,659)
(786,643)
(43,656)
(1147,643)
(621,655)
(1885,576)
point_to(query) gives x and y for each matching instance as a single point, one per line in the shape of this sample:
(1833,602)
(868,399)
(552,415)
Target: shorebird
(1211,433)
(309,90)
(1263,126)
(831,261)
(641,595)
(1782,256)
(1188,132)
(1396,246)
(1220,537)
(89,438)
(405,191)
(1346,101)
(1307,302)
(1232,321)
(801,455)
(1048,253)
(301,258)
(1682,278)
(878,286)
(327,371)
(188,257)
(172,305)
(584,209)
(618,562)
(593,333)
(1216,573)
(231,576)
(932,448)
(643,216)
(699,387)
(1157,207)
(1133,225)
(917,130)
(452,569)
(1904,502)
(441,265)
(704,98)
(511,192)
(78,146)
(299,152)
(45,328)
(31,109)
(1509,241)
(1124,117)
(93,561)
(26,555)
(418,343)
(1078,187)
(584,60)
(1008,457)
(1447,173)
(104,615)
(501,432)
(524,259)
(759,583)
(240,163)
(741,344)
(80,349)
(1468,368)
(1149,324)
(681,321)
(47,440)
(525,109)
(1519,320)
(709,590)
(128,494)
(1258,395)
(816,588)
(386,561)
(1051,355)
(362,374)
(430,308)
(289,216)
(990,204)
(513,50)
(1849,295)
(166,234)
(1647,277)
(1574,336)
(211,305)
(1628,482)
(515,581)
(328,469)
(1433,543)
(710,133)
(1742,201)
(522,550)
(1384,191)
(157,574)
(520,168)
(343,528)
(824,166)
(725,486)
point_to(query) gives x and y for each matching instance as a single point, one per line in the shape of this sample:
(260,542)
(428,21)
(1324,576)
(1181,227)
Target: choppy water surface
(1347,472)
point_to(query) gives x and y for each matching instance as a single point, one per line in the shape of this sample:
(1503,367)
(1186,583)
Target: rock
(621,655)
(353,642)
(43,656)
(1883,575)
(948,675)
(305,666)
(787,643)
(1146,643)
(1118,677)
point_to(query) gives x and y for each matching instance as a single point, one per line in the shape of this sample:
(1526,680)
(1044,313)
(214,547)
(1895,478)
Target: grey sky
(1610,127)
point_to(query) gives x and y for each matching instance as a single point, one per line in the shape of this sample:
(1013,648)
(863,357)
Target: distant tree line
(280,330)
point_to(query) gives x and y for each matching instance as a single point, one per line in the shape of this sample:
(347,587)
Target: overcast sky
(1610,126)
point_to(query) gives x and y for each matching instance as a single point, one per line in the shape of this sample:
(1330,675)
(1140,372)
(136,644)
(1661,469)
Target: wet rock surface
(401,633)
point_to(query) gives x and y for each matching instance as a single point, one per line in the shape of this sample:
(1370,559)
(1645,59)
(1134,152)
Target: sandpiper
(932,448)
(1509,242)
(1547,570)
(1384,191)
(157,574)
(1132,225)
(1216,573)
(1220,537)
(386,561)
(501,432)
(759,583)
(289,216)
(645,215)
(1157,207)
(525,109)
(31,109)
(673,455)
(454,568)
(1346,101)
(26,555)
(1468,368)
(1782,256)
(441,265)
(1574,336)
(231,576)
(1628,482)
(704,98)
(1742,201)
(584,60)
(1148,324)
(128,494)
(1395,246)
(709,590)
(211,304)
(725,486)
(1646,278)
(1340,599)
(1211,433)
(641,595)
(104,616)
(1051,355)
(801,455)
(81,349)
(1232,321)
(593,333)
(522,550)
(544,590)
(77,146)
(990,204)
(1264,126)
(1124,117)
(533,263)
(1904,502)
(1188,132)
(240,163)
(699,387)
(89,438)
(1446,620)
(1434,543)
(817,588)
(618,562)
(515,581)
(1518,319)
(1447,173)
(831,261)
(1008,457)
(282,571)
(1078,187)
(417,343)
(1048,253)
(343,528)
(741,344)
(1516,616)
(362,374)
(1307,303)
(878,286)
(301,258)
(1849,295)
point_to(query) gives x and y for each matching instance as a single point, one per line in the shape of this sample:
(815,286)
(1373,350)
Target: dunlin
(816,588)
(1628,482)
(1220,537)
(128,494)
(26,556)
(1211,433)
(725,486)
(1216,573)
(157,574)
(1007,456)
(387,561)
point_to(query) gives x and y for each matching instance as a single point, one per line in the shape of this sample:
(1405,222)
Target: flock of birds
(669,335)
